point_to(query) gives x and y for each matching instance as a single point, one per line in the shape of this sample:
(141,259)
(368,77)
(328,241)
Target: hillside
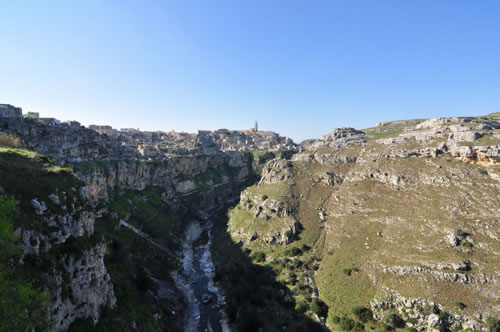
(390,227)
(399,222)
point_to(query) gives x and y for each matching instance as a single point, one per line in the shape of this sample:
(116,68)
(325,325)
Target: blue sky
(300,68)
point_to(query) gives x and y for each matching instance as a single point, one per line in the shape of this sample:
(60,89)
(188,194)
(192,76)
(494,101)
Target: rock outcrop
(88,285)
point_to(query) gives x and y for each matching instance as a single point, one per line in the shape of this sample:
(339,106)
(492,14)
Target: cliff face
(401,221)
(397,223)
(137,206)
(178,175)
(89,286)
(56,226)
(70,142)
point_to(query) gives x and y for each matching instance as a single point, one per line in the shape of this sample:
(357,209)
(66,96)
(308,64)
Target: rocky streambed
(205,311)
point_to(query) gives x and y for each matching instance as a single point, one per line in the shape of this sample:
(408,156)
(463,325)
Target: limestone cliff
(399,226)
(55,227)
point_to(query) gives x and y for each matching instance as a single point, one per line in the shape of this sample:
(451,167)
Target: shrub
(9,141)
(412,320)
(348,272)
(335,319)
(304,247)
(493,324)
(460,305)
(358,327)
(430,309)
(467,244)
(259,256)
(264,197)
(483,171)
(319,307)
(411,329)
(384,328)
(346,323)
(293,251)
(363,314)
(396,321)
(301,306)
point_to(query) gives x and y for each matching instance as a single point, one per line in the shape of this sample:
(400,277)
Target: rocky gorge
(278,238)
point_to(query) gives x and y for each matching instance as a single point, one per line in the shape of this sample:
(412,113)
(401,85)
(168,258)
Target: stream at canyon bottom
(205,311)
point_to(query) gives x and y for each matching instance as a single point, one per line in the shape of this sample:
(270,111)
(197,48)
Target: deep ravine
(195,279)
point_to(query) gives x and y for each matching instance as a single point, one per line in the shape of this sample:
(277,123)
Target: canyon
(391,227)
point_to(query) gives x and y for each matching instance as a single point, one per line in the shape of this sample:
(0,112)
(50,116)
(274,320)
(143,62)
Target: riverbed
(205,311)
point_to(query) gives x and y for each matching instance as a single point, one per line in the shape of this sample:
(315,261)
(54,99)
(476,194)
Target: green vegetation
(28,175)
(493,324)
(292,251)
(22,304)
(255,294)
(363,314)
(215,175)
(85,167)
(259,256)
(346,323)
(132,260)
(349,271)
(319,308)
(387,134)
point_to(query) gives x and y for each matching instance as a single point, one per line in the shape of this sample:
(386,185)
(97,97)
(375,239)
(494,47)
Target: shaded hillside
(401,221)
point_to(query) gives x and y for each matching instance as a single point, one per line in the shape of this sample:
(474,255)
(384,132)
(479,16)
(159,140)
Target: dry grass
(9,141)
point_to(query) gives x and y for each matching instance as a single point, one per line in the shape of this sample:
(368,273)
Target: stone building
(33,115)
(9,111)
(104,130)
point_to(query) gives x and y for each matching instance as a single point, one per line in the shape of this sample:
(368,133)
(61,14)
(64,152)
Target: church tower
(256,126)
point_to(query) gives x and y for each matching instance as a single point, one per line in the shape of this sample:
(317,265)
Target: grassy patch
(28,175)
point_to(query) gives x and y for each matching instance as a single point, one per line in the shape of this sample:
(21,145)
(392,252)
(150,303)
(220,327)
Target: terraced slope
(394,226)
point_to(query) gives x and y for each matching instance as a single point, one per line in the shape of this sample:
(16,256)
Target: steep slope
(127,214)
(55,228)
(399,222)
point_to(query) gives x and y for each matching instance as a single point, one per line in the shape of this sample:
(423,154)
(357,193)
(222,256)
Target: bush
(460,305)
(483,171)
(348,272)
(358,327)
(9,141)
(363,314)
(259,256)
(301,306)
(319,307)
(335,319)
(304,247)
(493,324)
(346,324)
(384,328)
(467,244)
(411,329)
(264,197)
(395,320)
(293,251)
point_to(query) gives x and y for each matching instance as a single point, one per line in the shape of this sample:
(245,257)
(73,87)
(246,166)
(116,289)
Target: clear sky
(300,68)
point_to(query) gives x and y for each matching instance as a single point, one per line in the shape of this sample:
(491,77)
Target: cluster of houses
(157,144)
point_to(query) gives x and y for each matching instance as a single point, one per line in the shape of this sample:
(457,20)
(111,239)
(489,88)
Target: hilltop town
(71,141)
